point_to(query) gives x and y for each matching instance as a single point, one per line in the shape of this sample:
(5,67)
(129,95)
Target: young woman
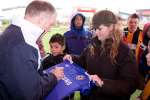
(110,62)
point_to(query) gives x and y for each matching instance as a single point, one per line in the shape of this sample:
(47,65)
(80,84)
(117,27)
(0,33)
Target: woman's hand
(97,80)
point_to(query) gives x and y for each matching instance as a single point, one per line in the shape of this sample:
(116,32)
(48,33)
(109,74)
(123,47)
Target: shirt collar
(30,31)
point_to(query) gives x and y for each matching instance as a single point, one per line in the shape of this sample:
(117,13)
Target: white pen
(89,78)
(71,62)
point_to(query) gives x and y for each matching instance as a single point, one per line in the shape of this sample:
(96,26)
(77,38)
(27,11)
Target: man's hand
(58,72)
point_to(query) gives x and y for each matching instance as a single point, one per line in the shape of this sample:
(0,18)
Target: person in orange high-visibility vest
(146,92)
(133,36)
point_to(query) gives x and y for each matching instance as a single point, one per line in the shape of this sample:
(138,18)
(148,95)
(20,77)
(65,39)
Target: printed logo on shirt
(80,77)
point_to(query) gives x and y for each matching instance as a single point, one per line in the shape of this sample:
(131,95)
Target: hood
(73,24)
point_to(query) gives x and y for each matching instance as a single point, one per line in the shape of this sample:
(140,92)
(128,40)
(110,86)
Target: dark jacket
(120,79)
(143,67)
(76,39)
(51,60)
(19,78)
(145,40)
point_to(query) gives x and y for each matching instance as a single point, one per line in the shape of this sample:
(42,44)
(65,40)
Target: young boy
(57,47)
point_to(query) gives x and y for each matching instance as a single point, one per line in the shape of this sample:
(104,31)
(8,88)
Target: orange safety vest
(132,39)
(146,91)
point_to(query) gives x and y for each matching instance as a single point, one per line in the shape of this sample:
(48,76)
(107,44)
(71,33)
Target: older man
(20,59)
(133,34)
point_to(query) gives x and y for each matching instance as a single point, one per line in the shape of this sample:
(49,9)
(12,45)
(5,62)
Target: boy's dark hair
(57,38)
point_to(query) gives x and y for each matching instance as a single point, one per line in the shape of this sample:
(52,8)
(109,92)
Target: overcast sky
(128,6)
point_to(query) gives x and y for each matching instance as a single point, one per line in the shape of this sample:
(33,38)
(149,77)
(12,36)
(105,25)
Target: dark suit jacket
(19,78)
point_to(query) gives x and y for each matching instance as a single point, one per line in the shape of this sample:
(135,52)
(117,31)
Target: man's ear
(42,19)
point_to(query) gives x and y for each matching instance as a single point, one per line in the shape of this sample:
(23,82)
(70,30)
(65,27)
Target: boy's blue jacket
(76,39)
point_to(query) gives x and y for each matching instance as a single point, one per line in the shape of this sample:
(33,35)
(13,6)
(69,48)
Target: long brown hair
(107,18)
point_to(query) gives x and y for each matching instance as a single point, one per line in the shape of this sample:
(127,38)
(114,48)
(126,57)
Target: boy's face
(78,21)
(56,48)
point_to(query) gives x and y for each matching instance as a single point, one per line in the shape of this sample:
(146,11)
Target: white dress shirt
(31,33)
